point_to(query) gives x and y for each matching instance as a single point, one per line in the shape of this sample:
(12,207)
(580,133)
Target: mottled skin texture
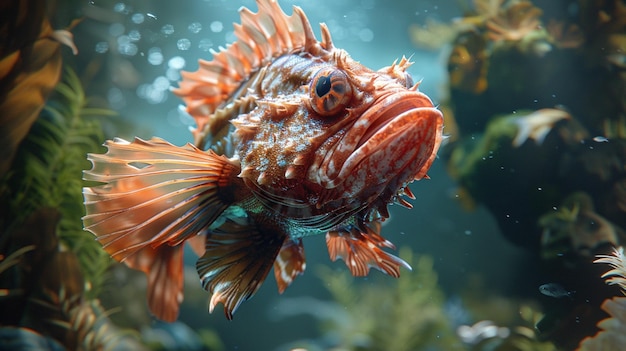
(290,152)
(293,138)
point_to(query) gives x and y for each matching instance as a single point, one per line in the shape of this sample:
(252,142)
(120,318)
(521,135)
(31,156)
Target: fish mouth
(397,137)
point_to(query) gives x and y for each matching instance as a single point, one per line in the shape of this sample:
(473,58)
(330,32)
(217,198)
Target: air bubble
(102,47)
(205,44)
(155,57)
(183,44)
(128,49)
(176,62)
(366,35)
(195,27)
(167,29)
(116,98)
(138,18)
(120,7)
(172,74)
(216,26)
(151,94)
(123,40)
(116,29)
(161,83)
(134,35)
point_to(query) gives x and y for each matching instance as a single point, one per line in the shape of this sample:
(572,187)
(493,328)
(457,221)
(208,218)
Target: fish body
(555,290)
(294,138)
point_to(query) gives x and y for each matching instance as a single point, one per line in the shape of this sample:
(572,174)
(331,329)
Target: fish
(293,138)
(556,290)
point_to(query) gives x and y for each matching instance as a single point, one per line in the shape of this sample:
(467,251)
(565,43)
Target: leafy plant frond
(14,257)
(86,322)
(617,261)
(409,311)
(48,172)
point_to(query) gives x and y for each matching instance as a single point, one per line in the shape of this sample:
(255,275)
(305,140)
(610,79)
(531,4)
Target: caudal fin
(155,196)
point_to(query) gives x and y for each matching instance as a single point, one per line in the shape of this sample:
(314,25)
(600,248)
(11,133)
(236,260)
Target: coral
(514,22)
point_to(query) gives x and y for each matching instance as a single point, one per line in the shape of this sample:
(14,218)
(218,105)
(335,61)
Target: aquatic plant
(84,323)
(561,165)
(612,334)
(496,20)
(407,315)
(47,172)
(565,35)
(30,67)
(613,329)
(487,8)
(617,261)
(500,322)
(52,270)
(566,230)
(43,292)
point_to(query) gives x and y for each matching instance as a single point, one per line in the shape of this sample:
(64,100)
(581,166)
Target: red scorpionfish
(294,138)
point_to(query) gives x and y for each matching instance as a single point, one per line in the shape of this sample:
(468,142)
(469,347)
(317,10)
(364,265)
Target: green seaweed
(47,172)
(407,314)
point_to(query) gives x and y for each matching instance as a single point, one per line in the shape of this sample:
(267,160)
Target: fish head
(338,134)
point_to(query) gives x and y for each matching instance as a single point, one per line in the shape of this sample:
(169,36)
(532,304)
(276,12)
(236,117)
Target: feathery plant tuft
(409,313)
(617,261)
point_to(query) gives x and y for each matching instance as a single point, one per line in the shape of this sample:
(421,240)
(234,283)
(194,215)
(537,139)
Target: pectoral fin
(289,263)
(362,250)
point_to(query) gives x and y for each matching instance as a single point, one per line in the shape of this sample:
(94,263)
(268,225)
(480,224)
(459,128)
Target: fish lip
(393,121)
(390,107)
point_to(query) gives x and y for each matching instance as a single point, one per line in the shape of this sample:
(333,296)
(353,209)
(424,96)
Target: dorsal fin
(261,37)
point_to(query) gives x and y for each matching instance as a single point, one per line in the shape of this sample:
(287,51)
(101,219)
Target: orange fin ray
(155,193)
(163,266)
(237,260)
(362,250)
(289,263)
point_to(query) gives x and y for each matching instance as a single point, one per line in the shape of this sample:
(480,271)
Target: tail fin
(155,193)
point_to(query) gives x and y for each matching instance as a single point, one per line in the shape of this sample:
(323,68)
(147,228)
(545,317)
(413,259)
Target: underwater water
(528,187)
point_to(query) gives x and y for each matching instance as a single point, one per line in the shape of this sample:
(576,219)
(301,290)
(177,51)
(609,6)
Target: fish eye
(330,91)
